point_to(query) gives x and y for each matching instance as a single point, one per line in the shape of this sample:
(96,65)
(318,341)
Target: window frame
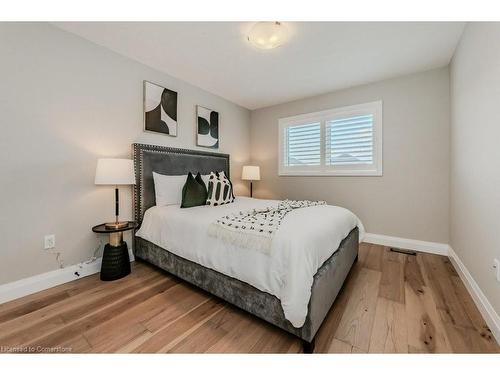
(375,169)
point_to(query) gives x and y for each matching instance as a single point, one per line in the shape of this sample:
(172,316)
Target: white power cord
(58,254)
(60,261)
(94,255)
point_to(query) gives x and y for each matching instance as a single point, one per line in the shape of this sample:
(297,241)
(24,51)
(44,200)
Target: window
(344,141)
(304,144)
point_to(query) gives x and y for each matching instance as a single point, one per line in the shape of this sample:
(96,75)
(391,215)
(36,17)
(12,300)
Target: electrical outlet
(49,241)
(496,266)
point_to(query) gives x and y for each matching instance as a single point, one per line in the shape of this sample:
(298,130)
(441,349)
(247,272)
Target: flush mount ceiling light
(267,35)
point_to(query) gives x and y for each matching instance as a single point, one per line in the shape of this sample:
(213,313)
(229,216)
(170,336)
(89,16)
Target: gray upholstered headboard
(168,161)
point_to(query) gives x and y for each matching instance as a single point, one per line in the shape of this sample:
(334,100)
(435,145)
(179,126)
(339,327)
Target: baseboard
(37,283)
(409,244)
(131,254)
(487,311)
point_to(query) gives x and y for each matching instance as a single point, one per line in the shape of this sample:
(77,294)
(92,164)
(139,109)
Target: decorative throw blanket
(255,228)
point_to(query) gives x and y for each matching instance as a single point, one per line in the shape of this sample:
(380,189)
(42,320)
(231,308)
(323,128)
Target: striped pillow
(220,189)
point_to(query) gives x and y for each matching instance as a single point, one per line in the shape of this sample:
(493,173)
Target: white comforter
(306,238)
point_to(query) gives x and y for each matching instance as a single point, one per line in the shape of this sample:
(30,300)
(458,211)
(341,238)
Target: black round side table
(115,259)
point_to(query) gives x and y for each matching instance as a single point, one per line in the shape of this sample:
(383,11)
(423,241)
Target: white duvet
(306,238)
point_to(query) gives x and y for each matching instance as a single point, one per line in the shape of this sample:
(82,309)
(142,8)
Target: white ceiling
(319,56)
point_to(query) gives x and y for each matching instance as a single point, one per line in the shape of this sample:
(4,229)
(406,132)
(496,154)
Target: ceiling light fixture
(267,35)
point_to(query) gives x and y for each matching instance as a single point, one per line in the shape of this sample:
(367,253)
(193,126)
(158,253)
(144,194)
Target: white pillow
(221,184)
(168,189)
(205,177)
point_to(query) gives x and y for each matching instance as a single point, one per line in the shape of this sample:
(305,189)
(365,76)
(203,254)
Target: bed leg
(356,259)
(308,346)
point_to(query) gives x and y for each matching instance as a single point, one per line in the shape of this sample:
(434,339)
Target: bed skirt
(327,283)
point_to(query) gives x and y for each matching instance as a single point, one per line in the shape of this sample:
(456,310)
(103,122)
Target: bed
(287,291)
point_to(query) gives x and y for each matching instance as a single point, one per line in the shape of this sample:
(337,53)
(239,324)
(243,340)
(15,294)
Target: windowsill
(360,173)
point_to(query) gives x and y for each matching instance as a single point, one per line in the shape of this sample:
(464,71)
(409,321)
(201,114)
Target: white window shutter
(345,141)
(303,145)
(349,141)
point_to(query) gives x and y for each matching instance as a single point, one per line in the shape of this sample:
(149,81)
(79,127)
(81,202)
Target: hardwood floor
(390,303)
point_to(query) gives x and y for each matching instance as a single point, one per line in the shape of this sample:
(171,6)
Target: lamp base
(115,262)
(116,225)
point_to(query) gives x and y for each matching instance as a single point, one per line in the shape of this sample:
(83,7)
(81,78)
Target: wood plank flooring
(390,303)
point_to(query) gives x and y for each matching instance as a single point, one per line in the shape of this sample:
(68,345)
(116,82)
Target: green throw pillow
(194,192)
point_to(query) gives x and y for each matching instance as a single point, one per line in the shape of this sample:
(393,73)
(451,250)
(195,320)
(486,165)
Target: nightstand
(115,259)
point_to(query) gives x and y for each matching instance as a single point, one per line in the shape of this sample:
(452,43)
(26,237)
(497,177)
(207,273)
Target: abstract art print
(160,109)
(208,127)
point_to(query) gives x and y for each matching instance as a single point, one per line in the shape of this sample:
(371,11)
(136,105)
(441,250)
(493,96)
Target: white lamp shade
(115,172)
(251,172)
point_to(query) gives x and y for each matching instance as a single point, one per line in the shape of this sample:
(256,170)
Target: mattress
(305,239)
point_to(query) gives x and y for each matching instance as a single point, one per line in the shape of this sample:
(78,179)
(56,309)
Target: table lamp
(115,172)
(251,173)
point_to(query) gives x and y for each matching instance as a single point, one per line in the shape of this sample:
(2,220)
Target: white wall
(475,154)
(411,199)
(64,102)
